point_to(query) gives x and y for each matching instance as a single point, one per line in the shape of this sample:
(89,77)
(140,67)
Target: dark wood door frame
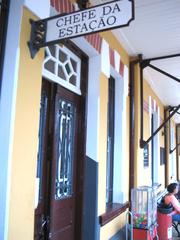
(82,138)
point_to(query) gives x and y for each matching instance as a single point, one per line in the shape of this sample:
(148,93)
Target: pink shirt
(173,200)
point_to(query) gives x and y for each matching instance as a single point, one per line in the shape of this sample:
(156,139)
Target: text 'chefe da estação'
(95,19)
(87,20)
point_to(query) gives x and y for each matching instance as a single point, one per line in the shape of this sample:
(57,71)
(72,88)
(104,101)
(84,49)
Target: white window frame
(54,76)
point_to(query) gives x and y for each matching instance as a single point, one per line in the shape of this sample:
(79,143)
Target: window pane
(64,173)
(68,70)
(52,50)
(62,56)
(61,72)
(74,65)
(72,80)
(50,66)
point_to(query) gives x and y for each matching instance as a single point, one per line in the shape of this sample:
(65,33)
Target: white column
(7,108)
(105,59)
(120,185)
(93,108)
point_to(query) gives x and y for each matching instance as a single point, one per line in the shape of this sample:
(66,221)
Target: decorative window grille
(62,66)
(64,169)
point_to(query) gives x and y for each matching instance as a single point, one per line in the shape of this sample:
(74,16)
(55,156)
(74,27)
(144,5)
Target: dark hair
(171,187)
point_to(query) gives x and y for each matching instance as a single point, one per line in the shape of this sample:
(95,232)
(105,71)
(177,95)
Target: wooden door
(61,158)
(60,164)
(67,128)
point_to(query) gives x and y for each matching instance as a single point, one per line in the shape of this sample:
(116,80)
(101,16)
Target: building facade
(70,130)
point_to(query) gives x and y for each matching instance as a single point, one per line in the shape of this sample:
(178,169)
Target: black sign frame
(39,29)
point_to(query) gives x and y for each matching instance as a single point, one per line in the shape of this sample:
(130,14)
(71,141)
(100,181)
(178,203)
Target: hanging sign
(95,19)
(108,16)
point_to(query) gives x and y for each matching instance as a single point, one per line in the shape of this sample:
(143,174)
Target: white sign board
(103,17)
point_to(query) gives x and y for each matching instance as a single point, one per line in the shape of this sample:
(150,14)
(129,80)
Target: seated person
(170,199)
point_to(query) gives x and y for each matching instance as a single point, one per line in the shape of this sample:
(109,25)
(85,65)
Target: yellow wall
(109,230)
(22,191)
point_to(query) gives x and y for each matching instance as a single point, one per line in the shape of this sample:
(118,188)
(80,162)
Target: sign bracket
(37,37)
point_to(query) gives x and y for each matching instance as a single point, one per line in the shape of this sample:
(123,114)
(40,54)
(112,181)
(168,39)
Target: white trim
(126,80)
(150,112)
(120,138)
(117,59)
(105,59)
(156,156)
(154,106)
(7,110)
(55,79)
(93,107)
(172,155)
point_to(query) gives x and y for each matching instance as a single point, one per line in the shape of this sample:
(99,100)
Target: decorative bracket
(37,38)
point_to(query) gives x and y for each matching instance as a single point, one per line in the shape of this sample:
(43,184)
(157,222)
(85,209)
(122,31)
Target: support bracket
(37,38)
(172,150)
(143,143)
(143,64)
